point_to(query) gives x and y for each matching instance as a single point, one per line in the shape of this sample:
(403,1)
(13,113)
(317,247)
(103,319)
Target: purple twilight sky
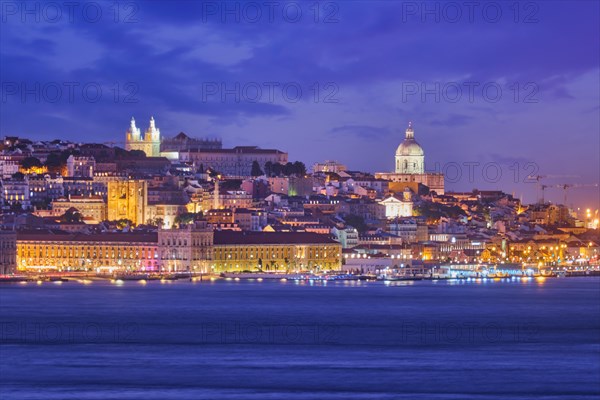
(510,86)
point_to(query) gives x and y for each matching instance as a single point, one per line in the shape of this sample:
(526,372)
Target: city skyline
(294,199)
(364,73)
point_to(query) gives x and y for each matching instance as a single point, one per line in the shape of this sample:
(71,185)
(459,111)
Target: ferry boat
(394,276)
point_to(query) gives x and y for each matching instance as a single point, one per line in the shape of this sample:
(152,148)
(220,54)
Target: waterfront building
(149,143)
(8,252)
(99,252)
(187,248)
(128,200)
(409,164)
(274,251)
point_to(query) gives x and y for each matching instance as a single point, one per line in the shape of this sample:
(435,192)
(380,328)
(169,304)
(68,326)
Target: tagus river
(507,339)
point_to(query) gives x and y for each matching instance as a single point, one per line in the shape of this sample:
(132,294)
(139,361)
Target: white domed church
(410,157)
(410,165)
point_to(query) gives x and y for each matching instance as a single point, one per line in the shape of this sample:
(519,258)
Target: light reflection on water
(219,339)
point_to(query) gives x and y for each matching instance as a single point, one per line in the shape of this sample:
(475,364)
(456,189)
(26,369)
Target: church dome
(410,147)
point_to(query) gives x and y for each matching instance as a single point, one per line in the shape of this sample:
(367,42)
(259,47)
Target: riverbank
(87,278)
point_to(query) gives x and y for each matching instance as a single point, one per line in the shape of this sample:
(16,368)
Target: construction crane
(566,186)
(541,187)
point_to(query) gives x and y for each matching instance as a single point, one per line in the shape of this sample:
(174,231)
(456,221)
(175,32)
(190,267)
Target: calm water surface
(514,339)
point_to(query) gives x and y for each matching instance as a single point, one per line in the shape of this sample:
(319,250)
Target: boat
(399,277)
(132,277)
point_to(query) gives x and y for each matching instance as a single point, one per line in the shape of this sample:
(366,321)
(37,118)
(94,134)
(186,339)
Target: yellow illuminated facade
(232,252)
(98,253)
(128,200)
(188,248)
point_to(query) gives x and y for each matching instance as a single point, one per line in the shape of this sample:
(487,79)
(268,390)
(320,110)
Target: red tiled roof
(239,150)
(53,236)
(233,237)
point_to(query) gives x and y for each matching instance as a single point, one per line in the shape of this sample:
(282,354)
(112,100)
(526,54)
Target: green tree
(30,162)
(277,169)
(356,221)
(72,215)
(256,171)
(185,218)
(123,223)
(299,168)
(268,168)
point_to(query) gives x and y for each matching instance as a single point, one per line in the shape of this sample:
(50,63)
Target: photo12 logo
(55,12)
(268,333)
(467,332)
(253,12)
(470,92)
(68,92)
(452,12)
(269,92)
(489,172)
(37,332)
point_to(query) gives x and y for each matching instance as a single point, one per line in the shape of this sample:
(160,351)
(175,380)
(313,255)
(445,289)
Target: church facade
(410,165)
(149,143)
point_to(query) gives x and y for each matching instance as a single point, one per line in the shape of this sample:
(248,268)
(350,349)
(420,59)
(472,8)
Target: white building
(81,166)
(15,191)
(410,157)
(409,163)
(329,166)
(396,207)
(8,167)
(149,143)
(347,236)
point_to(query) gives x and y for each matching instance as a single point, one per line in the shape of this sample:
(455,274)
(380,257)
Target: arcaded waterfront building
(275,251)
(193,247)
(187,248)
(8,252)
(101,252)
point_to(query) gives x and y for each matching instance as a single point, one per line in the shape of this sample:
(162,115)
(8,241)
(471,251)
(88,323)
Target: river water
(479,339)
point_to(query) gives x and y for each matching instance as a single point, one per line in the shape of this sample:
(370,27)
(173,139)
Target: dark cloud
(170,50)
(361,131)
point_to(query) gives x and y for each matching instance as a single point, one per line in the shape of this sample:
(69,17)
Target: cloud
(361,131)
(172,49)
(451,121)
